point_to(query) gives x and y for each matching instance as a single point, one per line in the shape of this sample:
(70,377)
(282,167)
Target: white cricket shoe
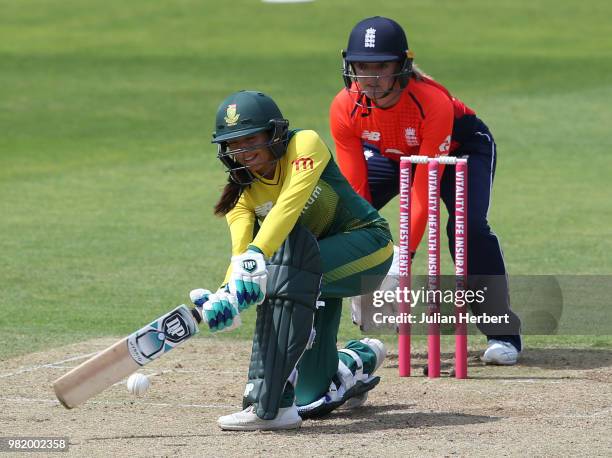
(247,420)
(500,353)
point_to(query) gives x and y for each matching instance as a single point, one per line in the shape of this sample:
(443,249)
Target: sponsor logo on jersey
(303,163)
(370,38)
(368,153)
(263,209)
(312,199)
(370,135)
(445,146)
(231,117)
(411,136)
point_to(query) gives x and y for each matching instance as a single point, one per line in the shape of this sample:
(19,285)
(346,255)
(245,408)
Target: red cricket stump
(405,261)
(461,344)
(433,268)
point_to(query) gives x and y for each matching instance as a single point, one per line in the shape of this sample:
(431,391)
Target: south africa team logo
(231,117)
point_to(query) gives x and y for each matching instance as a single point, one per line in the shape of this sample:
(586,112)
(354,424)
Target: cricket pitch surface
(554,402)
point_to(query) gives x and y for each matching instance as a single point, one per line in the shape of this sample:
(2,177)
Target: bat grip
(197,315)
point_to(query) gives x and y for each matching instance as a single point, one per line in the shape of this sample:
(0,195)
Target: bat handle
(196,314)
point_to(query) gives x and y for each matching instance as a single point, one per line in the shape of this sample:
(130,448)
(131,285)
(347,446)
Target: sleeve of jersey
(307,156)
(436,139)
(241,222)
(349,150)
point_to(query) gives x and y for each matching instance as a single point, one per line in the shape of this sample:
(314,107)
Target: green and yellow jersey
(307,188)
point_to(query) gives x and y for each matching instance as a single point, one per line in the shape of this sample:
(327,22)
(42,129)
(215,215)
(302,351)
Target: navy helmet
(377,39)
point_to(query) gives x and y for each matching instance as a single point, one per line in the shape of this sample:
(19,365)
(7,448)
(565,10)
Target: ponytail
(418,74)
(229,198)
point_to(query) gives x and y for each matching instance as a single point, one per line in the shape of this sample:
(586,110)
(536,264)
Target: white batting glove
(199,296)
(219,310)
(248,279)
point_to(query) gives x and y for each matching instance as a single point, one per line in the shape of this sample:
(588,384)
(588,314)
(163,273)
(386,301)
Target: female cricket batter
(286,195)
(390,109)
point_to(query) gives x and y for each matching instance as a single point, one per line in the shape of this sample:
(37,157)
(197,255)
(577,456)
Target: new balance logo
(370,38)
(445,146)
(263,209)
(370,135)
(303,163)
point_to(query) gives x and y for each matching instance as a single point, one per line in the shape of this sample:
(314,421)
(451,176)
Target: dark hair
(418,74)
(229,197)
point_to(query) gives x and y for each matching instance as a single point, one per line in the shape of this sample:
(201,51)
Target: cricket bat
(128,355)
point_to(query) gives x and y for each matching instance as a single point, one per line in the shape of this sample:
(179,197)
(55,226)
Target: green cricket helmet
(246,113)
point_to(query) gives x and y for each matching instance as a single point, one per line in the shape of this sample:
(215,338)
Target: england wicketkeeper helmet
(246,113)
(377,39)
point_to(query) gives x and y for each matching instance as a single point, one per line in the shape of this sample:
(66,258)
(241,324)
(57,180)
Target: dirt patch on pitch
(556,402)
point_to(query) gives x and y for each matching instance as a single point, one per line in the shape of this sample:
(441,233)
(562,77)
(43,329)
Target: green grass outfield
(107,176)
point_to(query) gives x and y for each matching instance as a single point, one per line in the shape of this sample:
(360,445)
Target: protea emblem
(231,117)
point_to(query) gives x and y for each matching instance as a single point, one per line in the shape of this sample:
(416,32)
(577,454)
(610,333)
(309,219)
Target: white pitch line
(26,400)
(58,366)
(151,373)
(148,372)
(48,365)
(128,402)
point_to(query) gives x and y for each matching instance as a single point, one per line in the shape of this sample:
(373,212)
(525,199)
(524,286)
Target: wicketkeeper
(388,109)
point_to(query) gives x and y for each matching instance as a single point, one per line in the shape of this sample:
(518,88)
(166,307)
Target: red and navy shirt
(427,120)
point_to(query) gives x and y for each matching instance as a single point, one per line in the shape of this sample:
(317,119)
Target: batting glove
(248,279)
(219,310)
